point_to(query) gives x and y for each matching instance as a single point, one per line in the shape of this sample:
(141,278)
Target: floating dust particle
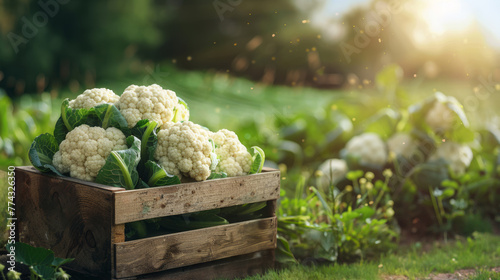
(189,58)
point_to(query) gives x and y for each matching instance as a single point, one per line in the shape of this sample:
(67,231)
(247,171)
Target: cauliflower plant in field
(93,97)
(457,155)
(85,150)
(402,144)
(440,117)
(149,102)
(369,148)
(184,149)
(234,159)
(330,172)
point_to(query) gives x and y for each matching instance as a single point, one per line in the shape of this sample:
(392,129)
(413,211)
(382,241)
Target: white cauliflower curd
(84,151)
(402,144)
(184,149)
(93,97)
(458,156)
(369,148)
(148,102)
(440,117)
(330,172)
(234,158)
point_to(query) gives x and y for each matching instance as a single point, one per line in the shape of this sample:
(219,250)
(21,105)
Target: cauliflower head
(85,149)
(440,117)
(93,97)
(458,156)
(369,148)
(184,148)
(234,158)
(331,171)
(402,144)
(148,102)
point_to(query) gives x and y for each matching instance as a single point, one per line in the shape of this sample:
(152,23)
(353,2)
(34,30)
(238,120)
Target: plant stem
(63,115)
(126,174)
(145,137)
(107,116)
(156,176)
(436,208)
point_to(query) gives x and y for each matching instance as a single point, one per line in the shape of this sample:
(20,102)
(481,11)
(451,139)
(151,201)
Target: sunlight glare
(446,15)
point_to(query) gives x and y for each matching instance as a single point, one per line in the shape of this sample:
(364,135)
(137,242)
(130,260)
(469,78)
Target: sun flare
(443,16)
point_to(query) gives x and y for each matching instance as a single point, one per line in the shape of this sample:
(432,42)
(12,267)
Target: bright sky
(441,15)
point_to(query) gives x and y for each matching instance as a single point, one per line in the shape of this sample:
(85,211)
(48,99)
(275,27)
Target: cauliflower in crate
(234,159)
(330,172)
(184,149)
(458,156)
(367,149)
(84,151)
(153,103)
(93,97)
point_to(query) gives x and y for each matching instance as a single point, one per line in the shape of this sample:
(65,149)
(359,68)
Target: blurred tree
(261,39)
(63,42)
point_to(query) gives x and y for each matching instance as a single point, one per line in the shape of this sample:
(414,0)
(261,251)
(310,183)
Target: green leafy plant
(42,263)
(120,167)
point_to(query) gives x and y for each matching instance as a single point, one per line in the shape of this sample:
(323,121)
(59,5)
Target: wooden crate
(86,221)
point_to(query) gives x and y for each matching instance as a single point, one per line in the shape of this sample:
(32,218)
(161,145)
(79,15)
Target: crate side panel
(72,219)
(193,247)
(229,268)
(150,203)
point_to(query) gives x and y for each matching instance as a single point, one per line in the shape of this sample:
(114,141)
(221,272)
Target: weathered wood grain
(150,203)
(228,268)
(70,218)
(197,246)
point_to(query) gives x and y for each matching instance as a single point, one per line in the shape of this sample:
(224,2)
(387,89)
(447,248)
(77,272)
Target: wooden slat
(197,246)
(72,219)
(135,205)
(57,178)
(229,268)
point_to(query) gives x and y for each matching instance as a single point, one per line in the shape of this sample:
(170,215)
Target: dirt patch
(461,274)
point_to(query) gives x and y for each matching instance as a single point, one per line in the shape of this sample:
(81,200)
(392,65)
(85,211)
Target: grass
(480,253)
